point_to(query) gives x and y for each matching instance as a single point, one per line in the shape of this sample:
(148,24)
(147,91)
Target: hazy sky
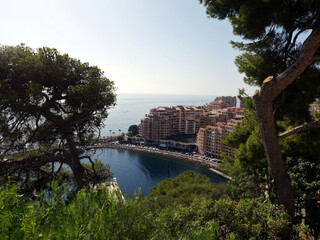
(144,46)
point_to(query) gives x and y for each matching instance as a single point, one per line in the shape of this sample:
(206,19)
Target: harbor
(210,163)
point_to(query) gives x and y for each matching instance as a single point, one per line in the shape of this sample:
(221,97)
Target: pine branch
(301,128)
(273,86)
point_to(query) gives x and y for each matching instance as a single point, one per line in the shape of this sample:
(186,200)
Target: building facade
(210,140)
(201,140)
(164,122)
(231,101)
(210,123)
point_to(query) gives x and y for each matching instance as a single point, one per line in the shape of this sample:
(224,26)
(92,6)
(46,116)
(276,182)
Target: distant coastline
(195,159)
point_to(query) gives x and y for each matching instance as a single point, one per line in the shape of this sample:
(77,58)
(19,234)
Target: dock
(220,173)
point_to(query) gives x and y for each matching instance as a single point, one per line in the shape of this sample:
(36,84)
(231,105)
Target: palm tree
(119,131)
(110,132)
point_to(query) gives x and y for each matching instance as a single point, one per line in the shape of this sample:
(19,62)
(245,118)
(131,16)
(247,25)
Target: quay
(220,173)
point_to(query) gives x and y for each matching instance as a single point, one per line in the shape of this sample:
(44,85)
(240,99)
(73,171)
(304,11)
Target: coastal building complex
(210,123)
(164,122)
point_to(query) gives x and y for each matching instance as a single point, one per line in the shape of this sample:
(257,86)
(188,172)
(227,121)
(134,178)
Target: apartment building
(233,122)
(201,140)
(164,122)
(215,105)
(222,115)
(210,139)
(211,119)
(231,101)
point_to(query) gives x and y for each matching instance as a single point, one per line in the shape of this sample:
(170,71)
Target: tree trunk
(79,173)
(282,183)
(270,89)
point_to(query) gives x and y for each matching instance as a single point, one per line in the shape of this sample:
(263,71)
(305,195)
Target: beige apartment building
(210,140)
(164,122)
(215,105)
(201,140)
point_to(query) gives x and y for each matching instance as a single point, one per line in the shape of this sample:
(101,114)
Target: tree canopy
(50,106)
(281,55)
(133,130)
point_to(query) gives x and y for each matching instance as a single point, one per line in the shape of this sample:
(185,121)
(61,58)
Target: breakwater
(208,163)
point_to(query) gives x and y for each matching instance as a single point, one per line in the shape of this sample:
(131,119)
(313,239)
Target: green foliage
(317,114)
(302,155)
(274,33)
(184,189)
(252,20)
(45,78)
(120,138)
(98,214)
(250,156)
(186,222)
(250,177)
(244,219)
(255,185)
(133,130)
(97,171)
(302,144)
(50,106)
(305,177)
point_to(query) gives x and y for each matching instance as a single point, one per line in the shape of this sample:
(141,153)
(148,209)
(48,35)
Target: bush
(184,189)
(97,214)
(249,219)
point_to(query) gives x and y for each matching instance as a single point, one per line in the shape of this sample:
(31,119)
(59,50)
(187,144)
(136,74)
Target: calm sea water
(136,169)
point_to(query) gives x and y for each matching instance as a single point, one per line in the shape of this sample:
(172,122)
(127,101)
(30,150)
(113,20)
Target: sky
(144,46)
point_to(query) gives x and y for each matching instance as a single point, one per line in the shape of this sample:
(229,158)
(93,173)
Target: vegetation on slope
(95,214)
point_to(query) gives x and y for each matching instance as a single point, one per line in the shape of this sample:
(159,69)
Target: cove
(135,170)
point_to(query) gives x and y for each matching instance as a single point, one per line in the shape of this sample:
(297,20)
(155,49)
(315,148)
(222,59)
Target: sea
(138,171)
